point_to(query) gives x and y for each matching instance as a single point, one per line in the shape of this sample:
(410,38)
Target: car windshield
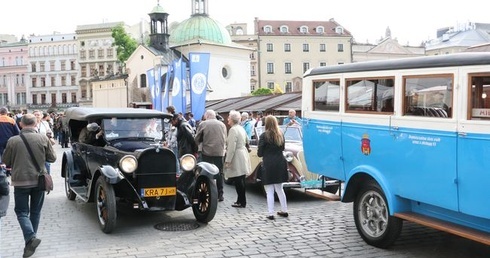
(118,128)
(291,133)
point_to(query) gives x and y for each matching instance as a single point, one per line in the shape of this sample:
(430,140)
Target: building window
(339,30)
(320,30)
(287,68)
(63,80)
(53,81)
(52,66)
(306,66)
(100,53)
(289,87)
(252,70)
(34,82)
(72,65)
(91,54)
(21,98)
(43,99)
(34,99)
(306,47)
(323,64)
(284,29)
(270,47)
(143,80)
(340,48)
(53,97)
(83,54)
(43,82)
(270,85)
(252,87)
(63,66)
(303,29)
(41,67)
(92,70)
(323,47)
(252,56)
(268,29)
(17,80)
(73,98)
(110,52)
(73,81)
(83,71)
(33,67)
(287,47)
(270,68)
(101,70)
(63,98)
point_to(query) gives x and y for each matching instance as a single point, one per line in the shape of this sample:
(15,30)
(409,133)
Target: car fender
(207,169)
(67,162)
(111,175)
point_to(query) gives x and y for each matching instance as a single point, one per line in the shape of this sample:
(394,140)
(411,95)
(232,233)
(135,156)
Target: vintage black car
(129,164)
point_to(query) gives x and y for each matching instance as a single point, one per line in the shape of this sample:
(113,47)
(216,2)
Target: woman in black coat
(274,165)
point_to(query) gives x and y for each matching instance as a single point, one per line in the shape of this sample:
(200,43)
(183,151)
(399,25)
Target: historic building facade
(14,74)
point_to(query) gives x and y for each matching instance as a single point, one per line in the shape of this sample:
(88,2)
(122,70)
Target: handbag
(44,181)
(4,183)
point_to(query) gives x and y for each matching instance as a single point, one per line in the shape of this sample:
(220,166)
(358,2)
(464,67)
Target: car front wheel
(372,218)
(106,205)
(205,199)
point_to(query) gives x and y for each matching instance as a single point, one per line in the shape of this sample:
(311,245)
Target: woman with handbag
(26,158)
(43,127)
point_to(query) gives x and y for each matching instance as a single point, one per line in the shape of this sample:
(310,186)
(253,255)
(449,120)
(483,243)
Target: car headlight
(128,164)
(289,156)
(188,162)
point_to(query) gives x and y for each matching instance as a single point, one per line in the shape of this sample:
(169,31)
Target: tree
(125,44)
(262,91)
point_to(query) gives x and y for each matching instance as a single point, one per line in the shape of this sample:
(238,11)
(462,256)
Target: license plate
(156,192)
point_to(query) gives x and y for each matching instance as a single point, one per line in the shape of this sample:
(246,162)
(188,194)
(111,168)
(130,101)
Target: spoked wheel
(105,205)
(372,218)
(68,192)
(205,199)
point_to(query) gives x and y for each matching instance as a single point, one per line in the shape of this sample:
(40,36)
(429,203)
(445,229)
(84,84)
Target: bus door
(322,131)
(474,148)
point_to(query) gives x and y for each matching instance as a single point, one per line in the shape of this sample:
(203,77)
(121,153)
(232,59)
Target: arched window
(303,29)
(320,30)
(284,29)
(268,29)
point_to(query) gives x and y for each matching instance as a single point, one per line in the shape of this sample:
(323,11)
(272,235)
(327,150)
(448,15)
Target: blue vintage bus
(408,137)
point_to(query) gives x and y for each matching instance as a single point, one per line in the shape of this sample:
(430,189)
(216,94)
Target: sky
(410,22)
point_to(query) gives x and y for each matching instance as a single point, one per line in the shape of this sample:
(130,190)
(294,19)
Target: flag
(150,76)
(184,86)
(165,87)
(177,90)
(157,105)
(199,67)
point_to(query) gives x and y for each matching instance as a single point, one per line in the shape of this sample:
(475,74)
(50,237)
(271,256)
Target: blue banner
(166,83)
(177,89)
(150,76)
(199,67)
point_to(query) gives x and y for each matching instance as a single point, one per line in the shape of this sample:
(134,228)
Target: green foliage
(262,91)
(125,44)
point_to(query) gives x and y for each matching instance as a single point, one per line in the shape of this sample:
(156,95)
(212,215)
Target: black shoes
(237,205)
(271,217)
(283,214)
(31,247)
(220,199)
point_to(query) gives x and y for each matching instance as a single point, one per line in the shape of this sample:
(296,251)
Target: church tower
(199,7)
(159,34)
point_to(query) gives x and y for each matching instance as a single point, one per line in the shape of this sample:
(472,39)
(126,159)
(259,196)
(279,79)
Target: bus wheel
(372,218)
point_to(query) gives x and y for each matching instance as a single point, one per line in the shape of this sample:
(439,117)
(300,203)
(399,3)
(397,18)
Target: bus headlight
(289,156)
(188,162)
(128,164)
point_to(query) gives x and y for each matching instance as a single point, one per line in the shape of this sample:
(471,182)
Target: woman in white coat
(237,161)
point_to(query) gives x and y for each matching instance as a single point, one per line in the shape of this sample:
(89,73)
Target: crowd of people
(227,147)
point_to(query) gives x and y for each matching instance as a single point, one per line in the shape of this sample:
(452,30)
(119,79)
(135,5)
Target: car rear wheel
(372,218)
(106,205)
(205,199)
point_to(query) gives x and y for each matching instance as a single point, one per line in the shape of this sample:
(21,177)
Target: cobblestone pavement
(315,228)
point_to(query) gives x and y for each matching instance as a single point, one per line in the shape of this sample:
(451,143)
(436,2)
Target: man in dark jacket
(8,128)
(185,136)
(28,197)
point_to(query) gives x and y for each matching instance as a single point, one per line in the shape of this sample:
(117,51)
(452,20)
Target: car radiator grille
(156,169)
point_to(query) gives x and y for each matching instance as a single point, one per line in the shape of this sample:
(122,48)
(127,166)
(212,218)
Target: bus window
(326,95)
(428,96)
(372,95)
(480,97)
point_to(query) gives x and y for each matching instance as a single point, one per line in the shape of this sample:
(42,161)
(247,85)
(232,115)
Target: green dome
(158,9)
(200,27)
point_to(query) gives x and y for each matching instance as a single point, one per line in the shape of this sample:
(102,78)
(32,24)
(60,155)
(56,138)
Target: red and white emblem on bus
(365,144)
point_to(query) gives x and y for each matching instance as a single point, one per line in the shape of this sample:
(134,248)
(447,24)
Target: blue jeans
(28,205)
